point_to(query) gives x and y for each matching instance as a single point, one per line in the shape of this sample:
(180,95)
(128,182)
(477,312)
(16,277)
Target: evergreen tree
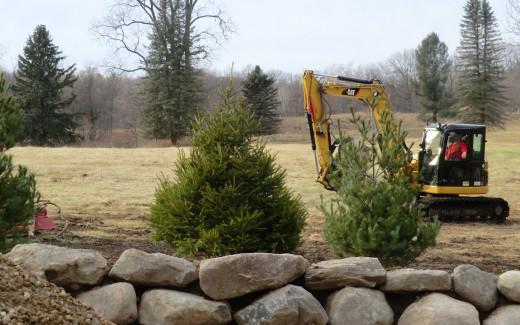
(173,90)
(261,95)
(433,67)
(480,56)
(40,82)
(228,195)
(18,194)
(374,213)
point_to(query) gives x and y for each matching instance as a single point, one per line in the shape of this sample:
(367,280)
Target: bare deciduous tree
(130,22)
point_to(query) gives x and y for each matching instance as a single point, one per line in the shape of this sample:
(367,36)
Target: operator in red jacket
(458,150)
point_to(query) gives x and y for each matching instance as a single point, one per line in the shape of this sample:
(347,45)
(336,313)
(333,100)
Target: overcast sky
(288,35)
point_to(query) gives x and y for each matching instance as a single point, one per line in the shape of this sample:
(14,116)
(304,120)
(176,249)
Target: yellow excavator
(452,181)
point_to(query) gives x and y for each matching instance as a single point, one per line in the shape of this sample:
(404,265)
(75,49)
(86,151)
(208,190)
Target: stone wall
(261,288)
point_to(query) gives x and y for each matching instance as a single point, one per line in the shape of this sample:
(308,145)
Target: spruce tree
(433,65)
(40,82)
(261,95)
(374,213)
(18,195)
(173,88)
(228,195)
(480,61)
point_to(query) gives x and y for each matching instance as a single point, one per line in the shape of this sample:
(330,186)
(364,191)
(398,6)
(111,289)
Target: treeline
(108,101)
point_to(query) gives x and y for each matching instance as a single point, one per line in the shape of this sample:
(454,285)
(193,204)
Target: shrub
(229,195)
(374,213)
(18,193)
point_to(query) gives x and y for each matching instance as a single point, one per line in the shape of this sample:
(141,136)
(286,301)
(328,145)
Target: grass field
(105,193)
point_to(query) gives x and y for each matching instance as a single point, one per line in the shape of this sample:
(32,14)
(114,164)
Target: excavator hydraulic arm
(315,86)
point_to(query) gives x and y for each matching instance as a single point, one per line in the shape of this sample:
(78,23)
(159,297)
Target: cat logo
(350,91)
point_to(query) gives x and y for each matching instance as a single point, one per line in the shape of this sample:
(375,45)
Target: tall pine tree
(173,90)
(260,93)
(40,82)
(480,60)
(433,65)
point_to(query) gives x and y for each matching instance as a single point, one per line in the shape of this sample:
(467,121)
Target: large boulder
(233,276)
(114,302)
(476,286)
(62,266)
(505,315)
(411,281)
(161,306)
(141,268)
(359,306)
(509,285)
(289,305)
(439,309)
(352,271)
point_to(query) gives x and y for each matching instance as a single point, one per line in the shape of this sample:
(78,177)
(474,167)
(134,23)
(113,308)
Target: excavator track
(465,208)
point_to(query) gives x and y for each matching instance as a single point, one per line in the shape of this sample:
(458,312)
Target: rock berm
(164,307)
(476,286)
(411,281)
(233,276)
(65,267)
(505,315)
(289,305)
(353,271)
(509,285)
(144,269)
(115,302)
(359,306)
(439,309)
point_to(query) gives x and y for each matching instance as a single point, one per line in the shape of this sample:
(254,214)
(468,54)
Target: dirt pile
(24,299)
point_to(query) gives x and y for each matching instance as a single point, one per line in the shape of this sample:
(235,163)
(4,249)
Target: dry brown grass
(109,191)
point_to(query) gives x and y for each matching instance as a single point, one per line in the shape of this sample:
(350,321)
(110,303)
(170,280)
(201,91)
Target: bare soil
(491,247)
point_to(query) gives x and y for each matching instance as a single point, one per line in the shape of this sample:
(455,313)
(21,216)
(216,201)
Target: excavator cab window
(430,155)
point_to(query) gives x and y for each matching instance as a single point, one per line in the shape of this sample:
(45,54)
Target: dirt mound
(24,299)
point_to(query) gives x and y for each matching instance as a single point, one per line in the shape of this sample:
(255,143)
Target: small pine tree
(261,95)
(433,67)
(374,213)
(480,61)
(18,194)
(228,195)
(40,83)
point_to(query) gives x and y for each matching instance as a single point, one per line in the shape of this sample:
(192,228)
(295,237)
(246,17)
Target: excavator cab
(452,159)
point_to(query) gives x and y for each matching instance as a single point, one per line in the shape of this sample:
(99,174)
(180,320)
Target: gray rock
(162,306)
(439,309)
(352,271)
(289,305)
(141,268)
(476,286)
(509,285)
(359,306)
(114,302)
(236,275)
(62,266)
(410,281)
(505,315)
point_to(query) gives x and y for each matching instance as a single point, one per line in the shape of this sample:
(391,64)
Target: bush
(18,194)
(375,213)
(229,195)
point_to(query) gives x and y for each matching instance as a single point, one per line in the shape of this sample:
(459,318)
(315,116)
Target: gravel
(25,299)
